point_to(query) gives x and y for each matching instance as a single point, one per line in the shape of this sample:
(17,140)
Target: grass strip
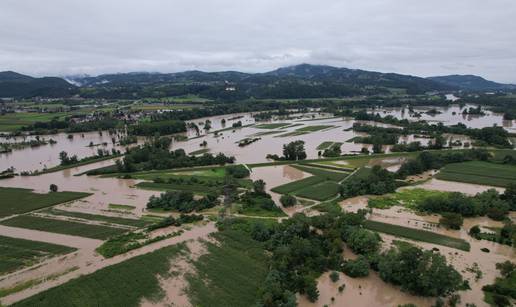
(417,235)
(17,201)
(63,227)
(20,253)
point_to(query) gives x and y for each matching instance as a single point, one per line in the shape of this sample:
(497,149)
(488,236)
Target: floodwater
(361,292)
(278,175)
(450,115)
(104,191)
(461,260)
(452,186)
(37,158)
(30,159)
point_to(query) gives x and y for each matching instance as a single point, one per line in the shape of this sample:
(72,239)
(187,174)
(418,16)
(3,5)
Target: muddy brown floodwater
(278,175)
(461,260)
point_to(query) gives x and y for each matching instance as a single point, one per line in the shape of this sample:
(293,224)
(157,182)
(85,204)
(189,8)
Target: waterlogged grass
(257,211)
(409,198)
(122,284)
(293,133)
(63,227)
(271,126)
(417,235)
(297,185)
(267,133)
(325,173)
(100,218)
(322,191)
(199,152)
(212,172)
(479,172)
(17,201)
(121,207)
(324,145)
(314,128)
(194,188)
(230,273)
(20,253)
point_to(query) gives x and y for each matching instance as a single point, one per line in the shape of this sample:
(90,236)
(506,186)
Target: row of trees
(181,201)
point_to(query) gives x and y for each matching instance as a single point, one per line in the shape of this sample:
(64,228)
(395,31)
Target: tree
(451,220)
(419,272)
(506,268)
(377,148)
(474,231)
(259,186)
(288,200)
(510,195)
(294,150)
(53,188)
(362,241)
(356,268)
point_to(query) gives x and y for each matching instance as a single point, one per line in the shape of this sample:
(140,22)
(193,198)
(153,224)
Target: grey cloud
(59,37)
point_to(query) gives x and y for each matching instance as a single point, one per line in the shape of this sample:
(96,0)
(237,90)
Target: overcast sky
(424,38)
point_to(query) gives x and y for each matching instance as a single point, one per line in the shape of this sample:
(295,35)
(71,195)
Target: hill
(13,84)
(299,81)
(471,83)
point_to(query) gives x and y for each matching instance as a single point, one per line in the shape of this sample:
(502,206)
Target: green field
(407,197)
(19,253)
(322,191)
(17,201)
(271,125)
(121,207)
(199,152)
(230,274)
(297,185)
(63,227)
(479,172)
(98,217)
(324,145)
(325,173)
(203,173)
(196,189)
(14,121)
(293,133)
(314,128)
(122,284)
(417,235)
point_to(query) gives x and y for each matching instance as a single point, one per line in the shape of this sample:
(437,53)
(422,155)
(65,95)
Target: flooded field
(368,291)
(450,115)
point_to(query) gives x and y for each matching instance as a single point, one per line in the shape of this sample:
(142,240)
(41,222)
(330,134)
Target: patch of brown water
(278,175)
(453,186)
(360,292)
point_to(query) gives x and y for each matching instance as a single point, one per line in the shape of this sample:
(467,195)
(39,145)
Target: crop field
(479,172)
(199,152)
(272,126)
(297,185)
(122,284)
(314,128)
(98,217)
(230,274)
(325,173)
(19,253)
(321,191)
(417,235)
(16,201)
(194,188)
(63,227)
(406,197)
(13,121)
(324,145)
